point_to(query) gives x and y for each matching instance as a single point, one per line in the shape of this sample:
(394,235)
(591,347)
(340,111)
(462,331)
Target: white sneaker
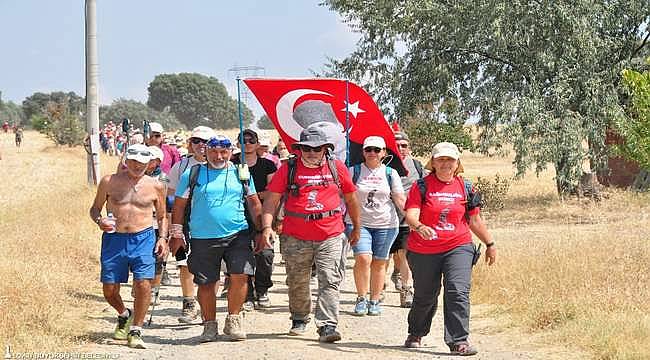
(234,327)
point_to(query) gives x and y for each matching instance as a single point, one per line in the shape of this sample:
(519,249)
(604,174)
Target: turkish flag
(279,98)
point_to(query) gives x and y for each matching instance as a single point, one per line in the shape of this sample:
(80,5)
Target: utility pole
(92,106)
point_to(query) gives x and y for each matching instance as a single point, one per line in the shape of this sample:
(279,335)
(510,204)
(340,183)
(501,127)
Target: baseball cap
(445,149)
(156,153)
(203,132)
(139,153)
(374,141)
(155,127)
(265,141)
(250,133)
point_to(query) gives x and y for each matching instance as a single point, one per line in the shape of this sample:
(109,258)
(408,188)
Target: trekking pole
(153,306)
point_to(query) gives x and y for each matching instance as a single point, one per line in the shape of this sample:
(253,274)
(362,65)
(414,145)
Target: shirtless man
(128,241)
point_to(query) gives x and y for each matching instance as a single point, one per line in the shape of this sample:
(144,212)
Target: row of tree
(542,76)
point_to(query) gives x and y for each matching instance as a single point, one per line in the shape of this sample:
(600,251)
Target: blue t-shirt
(217,202)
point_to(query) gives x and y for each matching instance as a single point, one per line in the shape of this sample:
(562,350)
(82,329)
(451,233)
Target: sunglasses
(136,152)
(250,141)
(156,135)
(372,149)
(403,146)
(197,141)
(219,143)
(306,148)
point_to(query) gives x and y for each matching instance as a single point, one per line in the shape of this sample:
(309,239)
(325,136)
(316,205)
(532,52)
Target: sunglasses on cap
(219,143)
(138,152)
(306,148)
(197,141)
(372,149)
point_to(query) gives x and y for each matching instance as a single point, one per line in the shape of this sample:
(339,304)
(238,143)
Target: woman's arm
(479,228)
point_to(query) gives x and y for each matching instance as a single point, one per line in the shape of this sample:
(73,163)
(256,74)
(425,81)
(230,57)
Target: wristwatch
(489,245)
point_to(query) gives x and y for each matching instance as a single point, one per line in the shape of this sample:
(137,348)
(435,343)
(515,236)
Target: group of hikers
(226,212)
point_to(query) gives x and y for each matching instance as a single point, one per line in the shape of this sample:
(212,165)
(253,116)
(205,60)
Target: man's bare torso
(132,202)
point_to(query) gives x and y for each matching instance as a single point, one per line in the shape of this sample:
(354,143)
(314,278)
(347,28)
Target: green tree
(634,126)
(38,102)
(196,99)
(63,126)
(11,112)
(541,75)
(137,112)
(265,123)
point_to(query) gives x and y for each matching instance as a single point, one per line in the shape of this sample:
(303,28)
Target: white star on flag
(353,108)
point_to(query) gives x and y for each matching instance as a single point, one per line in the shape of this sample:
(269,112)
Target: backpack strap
(292,187)
(422,186)
(194,176)
(356,172)
(418,167)
(389,177)
(469,197)
(331,164)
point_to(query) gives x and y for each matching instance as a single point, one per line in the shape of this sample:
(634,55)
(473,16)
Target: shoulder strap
(418,167)
(356,172)
(331,164)
(467,185)
(187,163)
(422,186)
(292,187)
(194,176)
(389,177)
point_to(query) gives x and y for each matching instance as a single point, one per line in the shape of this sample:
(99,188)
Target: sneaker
(234,327)
(135,340)
(361,306)
(165,280)
(298,327)
(123,326)
(397,280)
(374,308)
(463,349)
(263,301)
(190,312)
(248,306)
(406,297)
(210,331)
(328,334)
(413,341)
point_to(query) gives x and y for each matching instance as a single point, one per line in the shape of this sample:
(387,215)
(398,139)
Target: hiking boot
(123,326)
(328,334)
(361,306)
(248,306)
(406,297)
(234,327)
(397,280)
(190,312)
(374,308)
(413,341)
(263,301)
(165,279)
(462,349)
(135,340)
(298,327)
(210,331)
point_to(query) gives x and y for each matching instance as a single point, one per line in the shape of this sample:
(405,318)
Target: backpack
(292,163)
(356,173)
(472,198)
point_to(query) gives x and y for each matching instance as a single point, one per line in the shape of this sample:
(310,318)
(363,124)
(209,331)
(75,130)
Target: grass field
(575,271)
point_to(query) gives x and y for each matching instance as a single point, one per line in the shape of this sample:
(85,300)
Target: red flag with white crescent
(279,98)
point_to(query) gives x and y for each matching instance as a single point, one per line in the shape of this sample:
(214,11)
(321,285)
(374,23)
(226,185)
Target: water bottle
(111,221)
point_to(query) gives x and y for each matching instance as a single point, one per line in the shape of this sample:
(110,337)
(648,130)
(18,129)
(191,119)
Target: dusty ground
(363,337)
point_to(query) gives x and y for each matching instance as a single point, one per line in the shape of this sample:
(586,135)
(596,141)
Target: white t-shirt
(374,194)
(179,168)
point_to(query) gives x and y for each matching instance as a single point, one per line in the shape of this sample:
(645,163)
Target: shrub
(493,191)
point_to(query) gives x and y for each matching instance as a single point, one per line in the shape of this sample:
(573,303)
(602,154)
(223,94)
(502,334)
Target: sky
(43,43)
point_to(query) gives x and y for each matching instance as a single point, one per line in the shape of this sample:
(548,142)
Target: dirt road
(363,337)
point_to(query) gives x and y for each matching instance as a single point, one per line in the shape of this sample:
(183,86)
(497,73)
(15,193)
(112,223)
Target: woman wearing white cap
(379,190)
(442,209)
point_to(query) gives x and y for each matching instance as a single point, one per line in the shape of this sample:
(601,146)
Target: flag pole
(347,124)
(242,155)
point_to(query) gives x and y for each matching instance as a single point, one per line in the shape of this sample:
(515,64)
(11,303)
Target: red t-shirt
(316,198)
(444,212)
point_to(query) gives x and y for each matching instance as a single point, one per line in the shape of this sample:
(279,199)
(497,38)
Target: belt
(313,216)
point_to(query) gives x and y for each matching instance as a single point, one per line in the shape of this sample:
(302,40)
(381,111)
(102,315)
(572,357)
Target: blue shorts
(376,242)
(122,252)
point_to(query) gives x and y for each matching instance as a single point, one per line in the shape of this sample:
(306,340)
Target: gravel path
(363,337)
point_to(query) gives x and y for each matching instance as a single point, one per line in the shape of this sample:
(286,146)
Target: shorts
(122,252)
(376,242)
(400,241)
(204,261)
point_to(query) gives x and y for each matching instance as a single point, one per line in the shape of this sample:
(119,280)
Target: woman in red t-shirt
(440,248)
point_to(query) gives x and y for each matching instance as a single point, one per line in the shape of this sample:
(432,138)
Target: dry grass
(575,271)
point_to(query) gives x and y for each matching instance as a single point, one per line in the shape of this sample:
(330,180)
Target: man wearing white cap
(200,135)
(129,241)
(171,153)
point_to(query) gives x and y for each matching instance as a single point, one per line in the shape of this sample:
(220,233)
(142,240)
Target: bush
(494,192)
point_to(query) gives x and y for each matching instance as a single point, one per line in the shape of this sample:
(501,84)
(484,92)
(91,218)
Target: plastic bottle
(112,221)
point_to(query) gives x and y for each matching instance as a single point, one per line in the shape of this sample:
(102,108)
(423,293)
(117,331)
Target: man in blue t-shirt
(218,231)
